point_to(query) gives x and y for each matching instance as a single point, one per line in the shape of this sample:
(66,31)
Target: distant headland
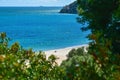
(71,8)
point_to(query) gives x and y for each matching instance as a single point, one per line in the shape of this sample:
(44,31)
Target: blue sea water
(41,28)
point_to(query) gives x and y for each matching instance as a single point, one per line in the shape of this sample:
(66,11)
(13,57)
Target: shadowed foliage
(102,59)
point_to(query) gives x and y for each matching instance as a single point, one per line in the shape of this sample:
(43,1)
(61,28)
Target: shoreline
(61,53)
(76,46)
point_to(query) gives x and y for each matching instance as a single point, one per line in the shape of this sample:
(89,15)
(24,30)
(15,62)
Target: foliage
(82,66)
(103,18)
(102,59)
(20,64)
(76,52)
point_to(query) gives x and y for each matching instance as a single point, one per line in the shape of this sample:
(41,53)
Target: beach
(61,54)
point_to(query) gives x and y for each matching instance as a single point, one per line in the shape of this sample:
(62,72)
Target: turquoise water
(41,28)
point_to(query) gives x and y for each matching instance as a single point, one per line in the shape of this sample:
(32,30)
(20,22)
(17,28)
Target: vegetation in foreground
(100,62)
(20,64)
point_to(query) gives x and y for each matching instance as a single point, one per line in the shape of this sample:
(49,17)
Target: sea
(41,28)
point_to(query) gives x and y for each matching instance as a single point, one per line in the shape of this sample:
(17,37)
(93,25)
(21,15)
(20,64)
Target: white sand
(61,53)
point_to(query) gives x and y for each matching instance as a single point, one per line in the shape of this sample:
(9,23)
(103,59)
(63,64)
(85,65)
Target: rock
(71,8)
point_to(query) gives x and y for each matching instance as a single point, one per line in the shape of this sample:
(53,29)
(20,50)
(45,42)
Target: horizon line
(31,6)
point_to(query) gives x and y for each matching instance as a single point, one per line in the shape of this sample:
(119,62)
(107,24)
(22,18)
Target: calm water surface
(41,28)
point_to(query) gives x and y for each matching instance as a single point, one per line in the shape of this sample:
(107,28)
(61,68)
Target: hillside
(71,8)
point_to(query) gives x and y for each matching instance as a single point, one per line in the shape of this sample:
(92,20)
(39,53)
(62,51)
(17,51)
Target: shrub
(20,64)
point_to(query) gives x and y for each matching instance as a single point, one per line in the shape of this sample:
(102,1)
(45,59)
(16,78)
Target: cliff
(71,8)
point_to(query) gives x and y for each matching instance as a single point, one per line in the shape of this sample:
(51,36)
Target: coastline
(61,53)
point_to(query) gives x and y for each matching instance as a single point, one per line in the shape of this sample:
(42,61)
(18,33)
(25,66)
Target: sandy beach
(61,53)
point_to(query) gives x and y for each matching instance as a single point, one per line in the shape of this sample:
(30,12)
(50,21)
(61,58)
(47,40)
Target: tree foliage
(20,64)
(103,18)
(102,59)
(82,67)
